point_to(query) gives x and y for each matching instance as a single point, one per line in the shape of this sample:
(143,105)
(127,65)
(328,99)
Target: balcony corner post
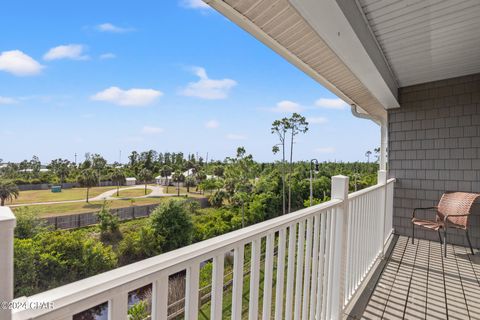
(383,146)
(382,180)
(7,226)
(340,186)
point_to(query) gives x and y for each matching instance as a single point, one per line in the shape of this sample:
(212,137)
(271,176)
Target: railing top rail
(359,193)
(77,291)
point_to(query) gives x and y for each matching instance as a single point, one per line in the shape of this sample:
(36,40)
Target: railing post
(382,180)
(340,192)
(7,225)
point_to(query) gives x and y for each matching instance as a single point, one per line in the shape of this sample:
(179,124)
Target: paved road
(157,191)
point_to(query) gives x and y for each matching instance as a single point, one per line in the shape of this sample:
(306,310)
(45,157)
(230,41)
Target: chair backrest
(453,202)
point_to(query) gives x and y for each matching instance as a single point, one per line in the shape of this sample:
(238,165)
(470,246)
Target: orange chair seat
(429,224)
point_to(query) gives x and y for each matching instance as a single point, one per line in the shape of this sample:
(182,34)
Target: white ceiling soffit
(342,26)
(279,25)
(426,40)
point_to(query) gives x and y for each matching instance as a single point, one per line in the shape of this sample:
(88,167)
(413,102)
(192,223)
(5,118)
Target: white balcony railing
(315,261)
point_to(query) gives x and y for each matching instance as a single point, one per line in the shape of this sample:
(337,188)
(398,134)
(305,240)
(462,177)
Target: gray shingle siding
(434,146)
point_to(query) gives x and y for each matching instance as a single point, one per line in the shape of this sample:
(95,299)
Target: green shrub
(217,198)
(25,272)
(138,245)
(139,311)
(51,259)
(108,223)
(192,206)
(214,222)
(29,223)
(173,224)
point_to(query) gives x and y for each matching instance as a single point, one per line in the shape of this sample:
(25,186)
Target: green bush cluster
(50,259)
(46,259)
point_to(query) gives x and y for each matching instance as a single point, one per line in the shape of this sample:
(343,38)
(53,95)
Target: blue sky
(104,76)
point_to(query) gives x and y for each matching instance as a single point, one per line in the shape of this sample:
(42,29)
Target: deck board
(417,282)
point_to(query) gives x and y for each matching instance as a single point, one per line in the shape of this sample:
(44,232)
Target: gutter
(364,115)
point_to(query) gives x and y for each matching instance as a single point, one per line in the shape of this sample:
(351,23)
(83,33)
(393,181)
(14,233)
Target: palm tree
(189,182)
(8,191)
(145,175)
(178,177)
(118,177)
(368,154)
(165,172)
(88,178)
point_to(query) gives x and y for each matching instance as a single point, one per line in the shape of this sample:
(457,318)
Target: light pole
(311,178)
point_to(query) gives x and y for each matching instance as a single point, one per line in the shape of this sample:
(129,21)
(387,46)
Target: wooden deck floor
(417,282)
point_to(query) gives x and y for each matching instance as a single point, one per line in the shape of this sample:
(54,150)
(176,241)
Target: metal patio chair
(453,211)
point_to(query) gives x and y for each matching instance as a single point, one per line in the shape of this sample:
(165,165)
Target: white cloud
(152,130)
(331,103)
(234,136)
(107,55)
(109,27)
(325,150)
(207,88)
(68,51)
(129,98)
(18,63)
(212,124)
(317,120)
(287,106)
(7,100)
(194,4)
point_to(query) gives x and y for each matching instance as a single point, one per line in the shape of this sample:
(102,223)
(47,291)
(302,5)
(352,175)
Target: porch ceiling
(281,27)
(364,50)
(426,40)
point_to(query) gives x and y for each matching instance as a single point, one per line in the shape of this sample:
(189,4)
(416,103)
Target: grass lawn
(33,196)
(183,191)
(47,210)
(131,193)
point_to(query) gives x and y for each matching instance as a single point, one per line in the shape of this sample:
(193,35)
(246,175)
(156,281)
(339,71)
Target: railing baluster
(191,292)
(118,307)
(290,271)
(160,298)
(331,265)
(373,230)
(313,288)
(370,230)
(217,286)
(280,274)
(299,271)
(268,281)
(362,238)
(326,263)
(254,279)
(308,262)
(348,276)
(237,283)
(359,244)
(354,243)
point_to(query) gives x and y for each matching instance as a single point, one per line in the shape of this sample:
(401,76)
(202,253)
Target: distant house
(130,181)
(31,170)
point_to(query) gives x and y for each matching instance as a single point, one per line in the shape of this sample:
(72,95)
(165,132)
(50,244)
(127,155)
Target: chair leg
(440,236)
(469,242)
(445,241)
(413,233)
